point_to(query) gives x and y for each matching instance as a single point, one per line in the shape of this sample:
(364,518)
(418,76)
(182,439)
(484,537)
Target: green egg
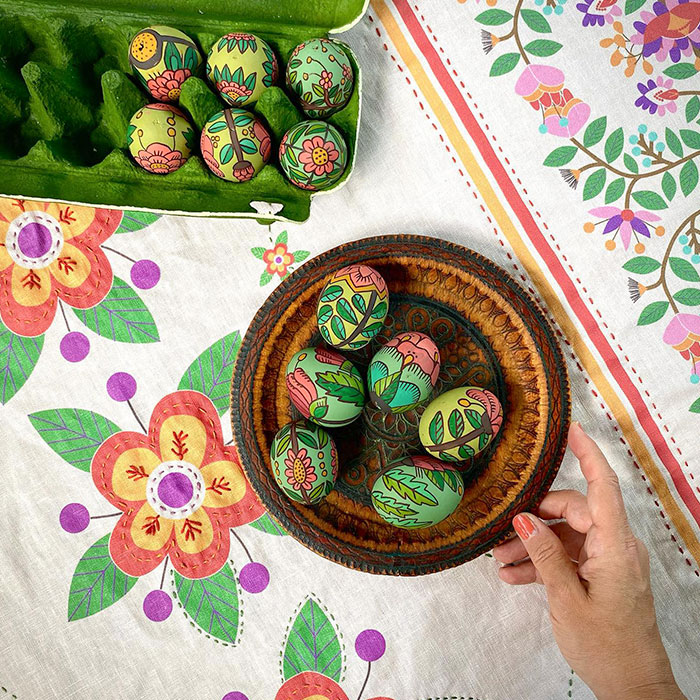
(304,461)
(417,492)
(403,372)
(325,387)
(460,423)
(352,307)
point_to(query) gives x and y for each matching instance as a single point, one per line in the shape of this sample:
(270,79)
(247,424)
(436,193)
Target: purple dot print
(235,695)
(74,346)
(121,386)
(157,605)
(370,645)
(74,517)
(254,577)
(34,240)
(145,274)
(175,490)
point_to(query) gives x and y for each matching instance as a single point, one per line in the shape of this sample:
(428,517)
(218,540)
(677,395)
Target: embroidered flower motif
(318,156)
(671,30)
(625,222)
(420,350)
(166,87)
(311,685)
(683,334)
(657,96)
(179,489)
(159,158)
(278,260)
(207,147)
(299,472)
(302,391)
(236,92)
(598,12)
(51,251)
(325,80)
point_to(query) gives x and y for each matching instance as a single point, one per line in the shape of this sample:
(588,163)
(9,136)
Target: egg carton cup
(67,94)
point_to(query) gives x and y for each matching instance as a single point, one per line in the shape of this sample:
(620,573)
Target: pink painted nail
(524,526)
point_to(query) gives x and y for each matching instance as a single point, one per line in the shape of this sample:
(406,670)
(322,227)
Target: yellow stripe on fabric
(478,177)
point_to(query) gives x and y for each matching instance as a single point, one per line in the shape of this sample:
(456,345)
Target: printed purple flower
(598,12)
(625,222)
(671,30)
(657,96)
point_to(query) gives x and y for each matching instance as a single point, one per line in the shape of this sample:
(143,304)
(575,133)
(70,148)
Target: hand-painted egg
(235,145)
(313,155)
(160,138)
(403,372)
(417,492)
(460,423)
(242,67)
(163,58)
(325,387)
(352,307)
(304,461)
(320,74)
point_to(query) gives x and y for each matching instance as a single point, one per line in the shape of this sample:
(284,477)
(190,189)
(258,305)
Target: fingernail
(524,526)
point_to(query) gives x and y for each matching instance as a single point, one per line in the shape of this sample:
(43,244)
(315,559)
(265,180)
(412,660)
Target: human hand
(596,574)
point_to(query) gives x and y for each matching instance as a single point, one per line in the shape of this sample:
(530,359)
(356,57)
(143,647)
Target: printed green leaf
(688,296)
(652,313)
(217,126)
(614,190)
(614,144)
(668,185)
(681,71)
(594,184)
(673,143)
(386,387)
(283,445)
(73,433)
(266,524)
(243,119)
(436,429)
(307,439)
(211,603)
(211,372)
(595,132)
(379,310)
(695,406)
(97,583)
(226,154)
(483,440)
(318,407)
(535,21)
(692,108)
(642,265)
(312,644)
(300,255)
(465,452)
(326,334)
(358,301)
(493,18)
(18,357)
(248,146)
(337,327)
(388,505)
(560,156)
(371,329)
(633,5)
(649,200)
(409,487)
(684,270)
(688,177)
(504,64)
(190,60)
(320,490)
(436,477)
(453,480)
(265,277)
(455,423)
(331,293)
(347,388)
(345,311)
(542,47)
(690,138)
(323,439)
(324,313)
(172,56)
(317,90)
(630,163)
(135,221)
(474,417)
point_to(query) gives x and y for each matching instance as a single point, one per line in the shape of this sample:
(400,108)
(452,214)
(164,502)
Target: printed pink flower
(299,472)
(236,92)
(159,158)
(540,85)
(625,222)
(302,391)
(657,96)
(419,349)
(361,276)
(278,259)
(263,136)
(166,87)
(207,148)
(334,460)
(347,72)
(493,407)
(243,171)
(325,82)
(568,119)
(318,156)
(683,334)
(671,30)
(598,12)
(329,357)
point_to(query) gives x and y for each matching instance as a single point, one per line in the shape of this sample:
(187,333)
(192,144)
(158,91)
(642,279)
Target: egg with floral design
(304,461)
(160,138)
(241,66)
(325,387)
(320,75)
(163,58)
(403,372)
(313,155)
(235,145)
(352,307)
(417,492)
(460,423)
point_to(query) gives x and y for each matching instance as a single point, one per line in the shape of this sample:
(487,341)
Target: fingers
(519,575)
(570,505)
(514,550)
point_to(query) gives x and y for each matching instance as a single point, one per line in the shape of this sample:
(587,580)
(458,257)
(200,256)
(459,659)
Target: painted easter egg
(313,155)
(417,492)
(320,74)
(160,138)
(460,423)
(325,387)
(403,372)
(235,145)
(304,461)
(163,58)
(352,307)
(242,67)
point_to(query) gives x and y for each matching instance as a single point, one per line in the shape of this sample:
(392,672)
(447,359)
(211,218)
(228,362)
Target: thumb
(547,553)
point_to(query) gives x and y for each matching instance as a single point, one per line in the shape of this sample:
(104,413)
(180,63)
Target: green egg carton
(67,94)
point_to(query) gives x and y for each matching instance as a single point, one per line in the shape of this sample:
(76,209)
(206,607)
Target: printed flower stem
(165,569)
(240,541)
(516,32)
(105,247)
(364,685)
(63,312)
(360,326)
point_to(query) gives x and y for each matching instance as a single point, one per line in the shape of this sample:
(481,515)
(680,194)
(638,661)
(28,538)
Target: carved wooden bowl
(490,333)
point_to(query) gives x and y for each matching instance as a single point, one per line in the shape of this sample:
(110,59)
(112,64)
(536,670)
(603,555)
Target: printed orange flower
(310,685)
(299,472)
(278,259)
(166,87)
(159,158)
(207,148)
(326,81)
(179,489)
(51,251)
(318,156)
(236,92)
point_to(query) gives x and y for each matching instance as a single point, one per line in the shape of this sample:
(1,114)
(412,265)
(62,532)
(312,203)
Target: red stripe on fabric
(585,317)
